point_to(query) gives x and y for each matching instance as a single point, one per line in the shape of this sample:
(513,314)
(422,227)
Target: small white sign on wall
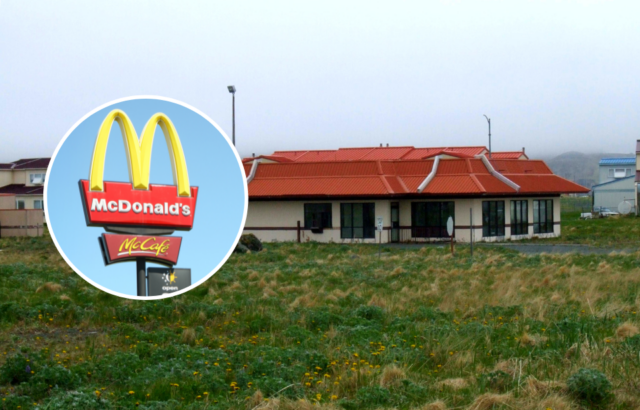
(380,226)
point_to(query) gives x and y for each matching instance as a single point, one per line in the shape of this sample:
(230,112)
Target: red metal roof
(546,184)
(509,155)
(385,153)
(373,153)
(514,166)
(403,177)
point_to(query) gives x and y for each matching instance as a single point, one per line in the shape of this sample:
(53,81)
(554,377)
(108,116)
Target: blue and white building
(616,183)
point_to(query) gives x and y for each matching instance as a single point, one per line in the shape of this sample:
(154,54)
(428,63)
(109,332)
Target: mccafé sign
(138,203)
(121,248)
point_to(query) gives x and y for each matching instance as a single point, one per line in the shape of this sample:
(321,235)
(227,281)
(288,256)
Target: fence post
(471,230)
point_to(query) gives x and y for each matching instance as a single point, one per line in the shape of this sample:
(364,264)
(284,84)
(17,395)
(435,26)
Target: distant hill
(580,168)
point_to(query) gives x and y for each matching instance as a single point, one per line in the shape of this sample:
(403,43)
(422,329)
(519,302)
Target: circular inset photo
(138,228)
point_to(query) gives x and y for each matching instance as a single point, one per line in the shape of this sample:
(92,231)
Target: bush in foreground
(591,386)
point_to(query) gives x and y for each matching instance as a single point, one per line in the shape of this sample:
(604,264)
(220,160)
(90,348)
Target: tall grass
(324,326)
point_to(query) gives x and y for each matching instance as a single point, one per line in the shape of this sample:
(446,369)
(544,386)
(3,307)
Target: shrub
(56,376)
(251,242)
(322,319)
(590,385)
(17,369)
(240,248)
(370,312)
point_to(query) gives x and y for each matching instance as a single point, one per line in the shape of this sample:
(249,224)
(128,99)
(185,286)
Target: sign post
(450,231)
(380,226)
(471,230)
(141,276)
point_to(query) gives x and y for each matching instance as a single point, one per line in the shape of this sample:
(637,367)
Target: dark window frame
(433,222)
(318,212)
(492,222)
(520,217)
(348,229)
(543,218)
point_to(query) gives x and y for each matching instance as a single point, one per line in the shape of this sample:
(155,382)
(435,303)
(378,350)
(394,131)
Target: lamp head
(232,89)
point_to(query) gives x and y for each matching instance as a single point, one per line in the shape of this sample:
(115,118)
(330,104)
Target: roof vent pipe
(432,174)
(496,174)
(387,145)
(254,169)
(380,145)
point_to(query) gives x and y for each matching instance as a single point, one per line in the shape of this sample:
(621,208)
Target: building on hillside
(25,180)
(338,195)
(21,197)
(616,183)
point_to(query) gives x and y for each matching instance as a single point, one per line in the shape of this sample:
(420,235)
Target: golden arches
(139,151)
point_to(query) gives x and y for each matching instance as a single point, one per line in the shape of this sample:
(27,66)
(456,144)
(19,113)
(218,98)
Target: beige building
(21,197)
(25,179)
(344,200)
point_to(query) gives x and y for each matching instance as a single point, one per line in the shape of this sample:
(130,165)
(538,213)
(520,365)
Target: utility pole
(489,121)
(232,90)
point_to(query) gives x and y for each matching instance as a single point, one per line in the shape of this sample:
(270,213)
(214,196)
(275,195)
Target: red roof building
(342,195)
(24,179)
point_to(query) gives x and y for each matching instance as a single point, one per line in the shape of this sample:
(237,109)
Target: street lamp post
(489,121)
(232,90)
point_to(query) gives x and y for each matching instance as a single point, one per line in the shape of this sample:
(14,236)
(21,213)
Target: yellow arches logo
(139,152)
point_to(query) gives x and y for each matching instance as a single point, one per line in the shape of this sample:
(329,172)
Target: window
(543,216)
(19,204)
(37,204)
(357,221)
(620,173)
(629,172)
(492,218)
(317,216)
(519,218)
(36,178)
(429,219)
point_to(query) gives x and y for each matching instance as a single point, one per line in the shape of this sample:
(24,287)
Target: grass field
(303,326)
(620,232)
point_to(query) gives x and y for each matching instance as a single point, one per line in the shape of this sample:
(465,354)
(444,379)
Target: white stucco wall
(282,216)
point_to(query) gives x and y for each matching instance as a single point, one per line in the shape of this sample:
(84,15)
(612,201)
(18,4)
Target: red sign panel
(121,205)
(162,249)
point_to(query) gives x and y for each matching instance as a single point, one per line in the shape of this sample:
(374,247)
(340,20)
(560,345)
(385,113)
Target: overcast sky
(554,76)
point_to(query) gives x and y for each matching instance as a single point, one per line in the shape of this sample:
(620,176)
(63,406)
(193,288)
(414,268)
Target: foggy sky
(554,76)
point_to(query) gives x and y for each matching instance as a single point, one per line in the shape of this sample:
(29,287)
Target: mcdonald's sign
(139,203)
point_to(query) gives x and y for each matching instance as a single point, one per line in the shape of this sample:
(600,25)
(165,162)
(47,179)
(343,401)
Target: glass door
(395,222)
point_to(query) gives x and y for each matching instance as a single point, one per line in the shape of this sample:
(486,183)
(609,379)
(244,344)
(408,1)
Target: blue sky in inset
(212,167)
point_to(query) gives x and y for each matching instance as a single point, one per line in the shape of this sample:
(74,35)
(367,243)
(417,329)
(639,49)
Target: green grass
(620,232)
(331,325)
